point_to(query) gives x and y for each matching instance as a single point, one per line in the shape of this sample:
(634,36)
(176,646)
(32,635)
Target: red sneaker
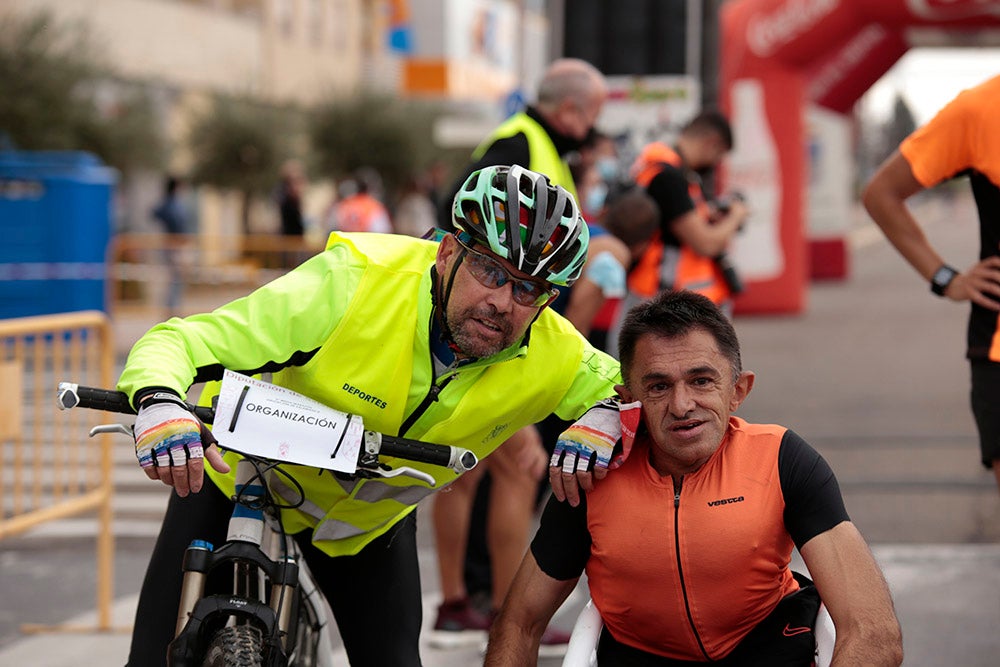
(458,624)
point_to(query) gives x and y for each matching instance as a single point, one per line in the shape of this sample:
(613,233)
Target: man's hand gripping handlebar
(373,446)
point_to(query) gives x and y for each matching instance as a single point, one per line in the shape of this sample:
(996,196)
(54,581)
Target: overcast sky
(928,78)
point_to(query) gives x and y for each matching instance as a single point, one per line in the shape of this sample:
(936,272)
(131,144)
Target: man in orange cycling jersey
(687,544)
(962,139)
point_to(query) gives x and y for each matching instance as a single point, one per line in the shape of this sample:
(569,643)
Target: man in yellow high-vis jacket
(542,137)
(453,339)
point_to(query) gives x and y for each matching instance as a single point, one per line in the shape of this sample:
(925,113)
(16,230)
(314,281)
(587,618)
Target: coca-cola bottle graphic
(754,170)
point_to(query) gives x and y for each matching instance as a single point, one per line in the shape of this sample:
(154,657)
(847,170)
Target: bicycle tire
(307,628)
(235,646)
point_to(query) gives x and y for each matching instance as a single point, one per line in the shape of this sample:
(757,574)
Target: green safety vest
(545,159)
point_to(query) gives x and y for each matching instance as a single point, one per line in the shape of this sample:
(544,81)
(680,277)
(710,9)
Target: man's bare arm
(852,587)
(531,601)
(885,199)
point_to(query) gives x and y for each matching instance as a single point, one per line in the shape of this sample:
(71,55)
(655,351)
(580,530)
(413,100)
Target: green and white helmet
(548,238)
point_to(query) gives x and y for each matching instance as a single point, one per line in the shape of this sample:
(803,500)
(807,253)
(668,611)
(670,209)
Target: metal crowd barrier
(142,265)
(49,468)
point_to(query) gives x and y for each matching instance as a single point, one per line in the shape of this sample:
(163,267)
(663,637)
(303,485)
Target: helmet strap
(444,298)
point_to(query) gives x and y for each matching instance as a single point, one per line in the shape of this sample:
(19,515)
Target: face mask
(595,198)
(607,167)
(705,172)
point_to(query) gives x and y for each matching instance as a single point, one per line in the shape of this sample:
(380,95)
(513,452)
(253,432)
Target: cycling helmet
(550,237)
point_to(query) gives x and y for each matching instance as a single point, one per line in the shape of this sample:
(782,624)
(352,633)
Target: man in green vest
(547,133)
(448,342)
(542,138)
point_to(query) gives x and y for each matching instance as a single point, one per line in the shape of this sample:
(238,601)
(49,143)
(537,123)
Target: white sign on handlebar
(262,419)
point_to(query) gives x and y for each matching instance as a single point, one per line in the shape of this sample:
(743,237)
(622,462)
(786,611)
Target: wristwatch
(942,278)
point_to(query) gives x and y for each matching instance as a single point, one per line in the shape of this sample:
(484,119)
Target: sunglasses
(490,273)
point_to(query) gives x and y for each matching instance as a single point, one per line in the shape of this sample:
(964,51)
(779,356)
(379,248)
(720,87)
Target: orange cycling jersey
(686,571)
(663,266)
(964,138)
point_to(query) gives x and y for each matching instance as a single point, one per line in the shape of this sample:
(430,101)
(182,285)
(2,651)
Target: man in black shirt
(694,231)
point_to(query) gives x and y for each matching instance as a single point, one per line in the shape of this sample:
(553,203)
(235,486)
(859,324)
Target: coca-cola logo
(769,32)
(951,10)
(844,63)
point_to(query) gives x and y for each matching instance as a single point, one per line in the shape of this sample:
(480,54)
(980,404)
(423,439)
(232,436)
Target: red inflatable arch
(777,57)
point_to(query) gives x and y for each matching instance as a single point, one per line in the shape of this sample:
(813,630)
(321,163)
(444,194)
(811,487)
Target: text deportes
(368,398)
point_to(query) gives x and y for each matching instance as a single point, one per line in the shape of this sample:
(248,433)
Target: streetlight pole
(709,47)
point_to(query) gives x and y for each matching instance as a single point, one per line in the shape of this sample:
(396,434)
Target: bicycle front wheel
(235,646)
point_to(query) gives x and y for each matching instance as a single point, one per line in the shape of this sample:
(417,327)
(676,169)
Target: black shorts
(769,644)
(985,397)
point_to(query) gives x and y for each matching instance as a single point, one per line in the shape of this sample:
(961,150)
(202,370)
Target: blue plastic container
(55,226)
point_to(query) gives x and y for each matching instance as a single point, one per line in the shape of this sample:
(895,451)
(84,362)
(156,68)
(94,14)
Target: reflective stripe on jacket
(351,327)
(545,159)
(669,267)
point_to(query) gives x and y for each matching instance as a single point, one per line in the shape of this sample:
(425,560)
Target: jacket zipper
(432,395)
(680,569)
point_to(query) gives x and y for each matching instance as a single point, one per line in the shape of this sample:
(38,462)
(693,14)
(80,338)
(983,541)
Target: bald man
(569,100)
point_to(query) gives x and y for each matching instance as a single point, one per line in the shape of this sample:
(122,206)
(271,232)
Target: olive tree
(240,144)
(56,93)
(394,137)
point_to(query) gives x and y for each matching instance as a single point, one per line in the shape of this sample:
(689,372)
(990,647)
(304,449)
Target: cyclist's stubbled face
(688,392)
(483,320)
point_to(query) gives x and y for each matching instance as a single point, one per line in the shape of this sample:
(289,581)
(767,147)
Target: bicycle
(273,615)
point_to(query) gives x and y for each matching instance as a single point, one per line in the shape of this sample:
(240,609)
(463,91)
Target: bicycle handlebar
(71,395)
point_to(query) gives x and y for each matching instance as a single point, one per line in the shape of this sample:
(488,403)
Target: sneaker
(553,644)
(459,624)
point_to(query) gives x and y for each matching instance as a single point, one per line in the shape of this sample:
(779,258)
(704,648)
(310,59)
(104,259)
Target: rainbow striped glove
(590,442)
(166,433)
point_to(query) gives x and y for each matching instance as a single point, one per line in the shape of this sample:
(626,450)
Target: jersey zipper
(680,569)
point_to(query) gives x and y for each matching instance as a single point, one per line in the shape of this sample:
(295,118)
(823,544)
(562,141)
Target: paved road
(872,374)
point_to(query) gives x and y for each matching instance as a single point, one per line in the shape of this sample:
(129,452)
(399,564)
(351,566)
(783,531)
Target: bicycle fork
(251,567)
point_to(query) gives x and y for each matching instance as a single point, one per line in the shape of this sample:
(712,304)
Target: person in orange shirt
(360,210)
(687,543)
(693,234)
(962,139)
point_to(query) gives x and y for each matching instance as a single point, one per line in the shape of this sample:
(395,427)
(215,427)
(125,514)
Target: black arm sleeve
(669,189)
(506,151)
(813,503)
(562,544)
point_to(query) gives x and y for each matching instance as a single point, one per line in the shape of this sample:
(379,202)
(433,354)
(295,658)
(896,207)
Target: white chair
(582,648)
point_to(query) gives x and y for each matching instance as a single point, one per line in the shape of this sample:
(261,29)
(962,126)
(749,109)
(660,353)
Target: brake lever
(111,428)
(404,470)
